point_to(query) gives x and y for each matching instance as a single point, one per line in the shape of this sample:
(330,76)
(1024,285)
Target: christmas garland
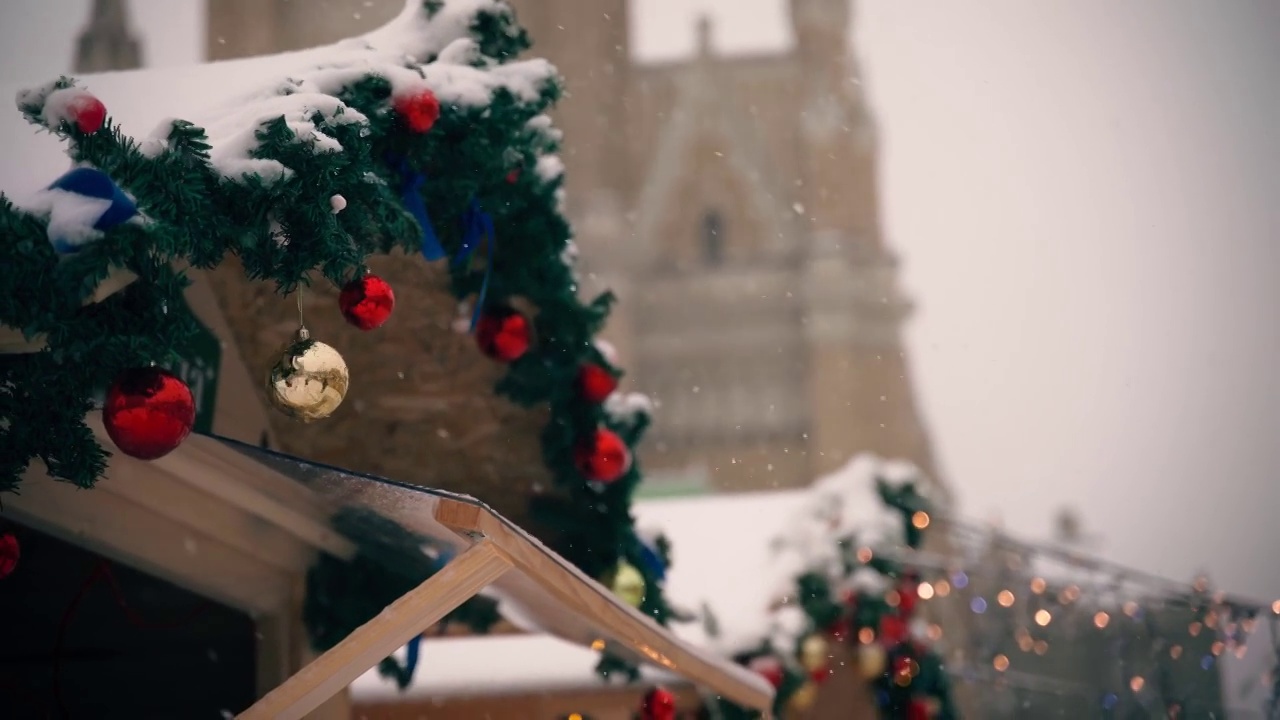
(437,141)
(907,678)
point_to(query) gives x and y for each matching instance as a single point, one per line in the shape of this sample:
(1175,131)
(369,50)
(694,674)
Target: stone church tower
(106,44)
(731,203)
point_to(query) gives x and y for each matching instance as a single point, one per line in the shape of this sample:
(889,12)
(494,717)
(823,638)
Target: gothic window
(712,237)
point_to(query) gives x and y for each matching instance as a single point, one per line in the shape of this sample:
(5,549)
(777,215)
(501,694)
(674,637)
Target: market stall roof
(733,554)
(488,551)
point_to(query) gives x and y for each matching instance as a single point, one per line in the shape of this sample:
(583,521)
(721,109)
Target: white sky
(1086,195)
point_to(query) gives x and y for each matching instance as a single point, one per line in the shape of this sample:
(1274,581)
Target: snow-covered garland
(848,594)
(426,126)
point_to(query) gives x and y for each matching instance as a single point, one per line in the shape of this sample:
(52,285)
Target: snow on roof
(732,553)
(231,94)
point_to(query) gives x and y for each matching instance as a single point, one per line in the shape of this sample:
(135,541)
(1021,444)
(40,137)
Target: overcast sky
(1086,196)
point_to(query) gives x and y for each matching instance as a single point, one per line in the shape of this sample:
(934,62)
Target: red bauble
(88,112)
(503,334)
(419,111)
(918,710)
(820,676)
(893,629)
(659,704)
(908,597)
(770,668)
(841,630)
(367,302)
(595,383)
(148,412)
(9,554)
(603,457)
(513,176)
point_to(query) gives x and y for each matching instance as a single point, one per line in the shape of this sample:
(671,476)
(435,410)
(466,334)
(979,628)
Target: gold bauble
(628,584)
(308,381)
(872,660)
(815,654)
(803,698)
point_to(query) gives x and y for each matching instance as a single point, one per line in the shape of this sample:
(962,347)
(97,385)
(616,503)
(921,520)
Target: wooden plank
(457,582)
(586,602)
(283,489)
(242,491)
(169,496)
(120,529)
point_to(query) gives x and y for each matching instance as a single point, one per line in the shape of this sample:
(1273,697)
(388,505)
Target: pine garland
(280,224)
(914,683)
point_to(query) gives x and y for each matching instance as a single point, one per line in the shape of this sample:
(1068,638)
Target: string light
(1137,683)
(1043,617)
(866,636)
(1175,652)
(597,645)
(925,591)
(1000,662)
(1275,607)
(893,598)
(920,520)
(935,632)
(1101,619)
(1216,648)
(1005,598)
(1194,629)
(942,588)
(1038,585)
(1042,647)
(865,555)
(1069,595)
(1025,643)
(1131,608)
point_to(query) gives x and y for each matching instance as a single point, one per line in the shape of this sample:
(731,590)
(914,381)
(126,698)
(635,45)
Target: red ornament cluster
(659,704)
(417,111)
(503,334)
(603,457)
(367,302)
(10,552)
(595,383)
(148,412)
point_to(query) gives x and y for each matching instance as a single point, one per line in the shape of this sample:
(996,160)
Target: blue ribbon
(410,194)
(92,183)
(476,226)
(411,659)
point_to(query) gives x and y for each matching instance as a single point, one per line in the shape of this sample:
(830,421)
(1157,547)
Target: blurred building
(731,202)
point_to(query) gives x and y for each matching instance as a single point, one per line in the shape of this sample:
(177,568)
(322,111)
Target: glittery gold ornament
(309,380)
(628,584)
(803,698)
(872,660)
(814,653)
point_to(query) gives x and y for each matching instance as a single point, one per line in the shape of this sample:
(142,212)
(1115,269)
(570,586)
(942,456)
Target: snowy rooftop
(227,97)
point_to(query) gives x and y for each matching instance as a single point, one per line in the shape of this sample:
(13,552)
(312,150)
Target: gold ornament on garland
(872,660)
(309,378)
(628,584)
(815,654)
(803,698)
